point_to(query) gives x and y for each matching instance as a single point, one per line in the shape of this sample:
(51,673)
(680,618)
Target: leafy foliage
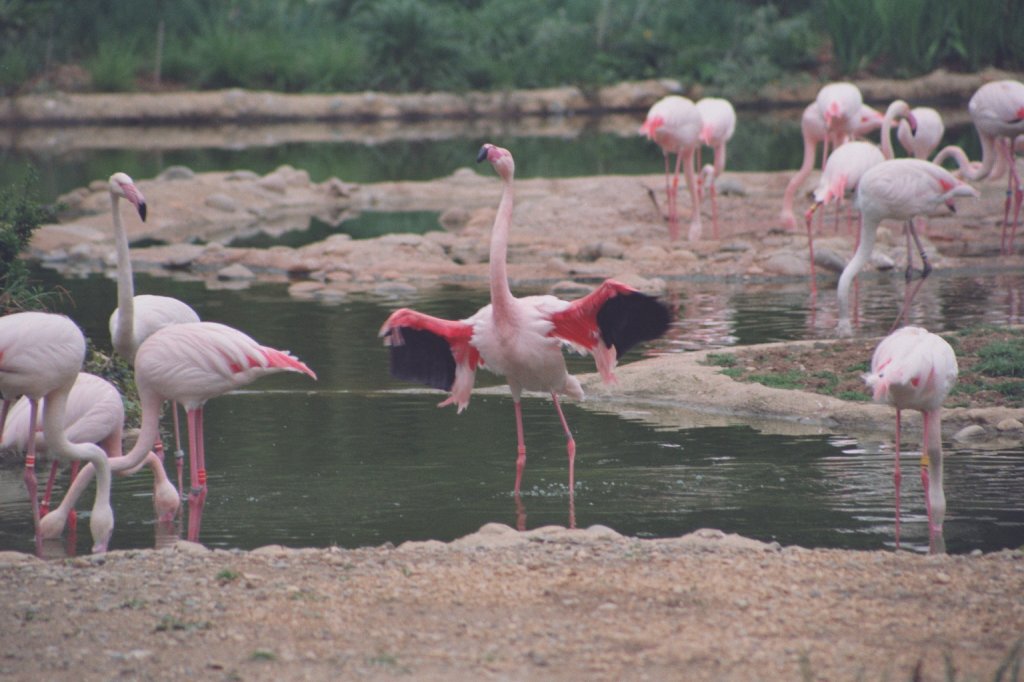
(20,215)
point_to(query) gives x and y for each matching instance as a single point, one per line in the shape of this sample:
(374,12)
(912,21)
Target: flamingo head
(961,189)
(121,185)
(911,121)
(651,126)
(499,157)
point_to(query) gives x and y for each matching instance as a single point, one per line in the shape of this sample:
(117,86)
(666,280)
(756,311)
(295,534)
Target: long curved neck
(887,150)
(125,288)
(148,433)
(868,228)
(989,157)
(54,407)
(501,294)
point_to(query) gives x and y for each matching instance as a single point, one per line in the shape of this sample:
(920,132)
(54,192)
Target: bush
(20,215)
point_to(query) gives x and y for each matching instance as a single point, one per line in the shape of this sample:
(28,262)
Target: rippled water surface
(359,459)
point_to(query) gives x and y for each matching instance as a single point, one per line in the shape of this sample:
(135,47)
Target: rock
(880,261)
(176,173)
(1010,424)
(785,263)
(969,433)
(827,259)
(222,202)
(454,218)
(235,271)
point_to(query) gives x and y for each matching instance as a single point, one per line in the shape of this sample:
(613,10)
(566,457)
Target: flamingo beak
(912,120)
(141,208)
(481,155)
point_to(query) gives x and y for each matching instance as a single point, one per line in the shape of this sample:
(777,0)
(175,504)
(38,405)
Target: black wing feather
(422,357)
(628,319)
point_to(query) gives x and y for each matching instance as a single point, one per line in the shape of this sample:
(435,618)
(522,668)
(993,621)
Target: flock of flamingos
(180,359)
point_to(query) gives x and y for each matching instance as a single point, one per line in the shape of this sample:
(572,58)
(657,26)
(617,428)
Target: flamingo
(920,143)
(839,105)
(40,357)
(966,169)
(843,170)
(897,112)
(189,363)
(137,317)
(814,132)
(674,124)
(94,414)
(520,338)
(719,124)
(898,189)
(997,109)
(913,369)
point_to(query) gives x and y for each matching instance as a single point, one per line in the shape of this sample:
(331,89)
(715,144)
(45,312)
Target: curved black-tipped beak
(142,210)
(481,155)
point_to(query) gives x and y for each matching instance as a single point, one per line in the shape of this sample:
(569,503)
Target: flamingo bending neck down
(924,138)
(843,170)
(94,414)
(674,124)
(997,109)
(191,363)
(897,189)
(521,338)
(913,369)
(40,358)
(137,317)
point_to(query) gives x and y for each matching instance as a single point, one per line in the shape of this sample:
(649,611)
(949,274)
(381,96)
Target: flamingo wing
(609,321)
(431,351)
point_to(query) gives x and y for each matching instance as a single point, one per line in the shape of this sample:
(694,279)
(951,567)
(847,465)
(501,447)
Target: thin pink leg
(520,447)
(520,514)
(714,207)
(193,467)
(809,218)
(179,454)
(44,506)
(1018,196)
(197,470)
(570,444)
(897,477)
(30,464)
(73,515)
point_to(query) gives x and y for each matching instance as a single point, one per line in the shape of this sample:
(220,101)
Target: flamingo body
(520,338)
(40,357)
(718,120)
(674,124)
(913,369)
(920,143)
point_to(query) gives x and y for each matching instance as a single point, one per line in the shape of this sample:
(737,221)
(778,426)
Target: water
(358,459)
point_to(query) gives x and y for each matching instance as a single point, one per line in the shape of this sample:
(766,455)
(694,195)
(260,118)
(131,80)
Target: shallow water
(359,459)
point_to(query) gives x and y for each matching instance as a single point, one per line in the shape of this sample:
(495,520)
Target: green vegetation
(20,215)
(731,46)
(1002,358)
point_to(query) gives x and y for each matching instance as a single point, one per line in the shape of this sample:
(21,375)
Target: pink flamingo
(814,132)
(922,141)
(913,369)
(843,170)
(966,169)
(40,357)
(897,189)
(137,317)
(997,109)
(897,112)
(520,338)
(719,123)
(94,414)
(190,364)
(674,124)
(839,105)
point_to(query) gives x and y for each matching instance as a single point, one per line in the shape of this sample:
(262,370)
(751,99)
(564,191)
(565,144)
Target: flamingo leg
(72,523)
(714,206)
(570,445)
(520,513)
(179,454)
(197,471)
(809,218)
(30,465)
(691,184)
(897,476)
(520,447)
(1018,197)
(193,469)
(44,506)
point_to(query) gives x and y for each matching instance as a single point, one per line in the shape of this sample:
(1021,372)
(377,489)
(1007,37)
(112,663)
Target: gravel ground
(546,604)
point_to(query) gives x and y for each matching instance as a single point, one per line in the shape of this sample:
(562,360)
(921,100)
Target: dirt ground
(549,603)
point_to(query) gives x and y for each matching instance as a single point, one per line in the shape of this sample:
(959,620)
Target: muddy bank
(242,106)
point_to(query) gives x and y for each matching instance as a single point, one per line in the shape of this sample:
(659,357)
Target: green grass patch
(1002,359)
(788,379)
(721,359)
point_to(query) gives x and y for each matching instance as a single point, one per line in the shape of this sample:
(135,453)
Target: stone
(969,433)
(221,202)
(235,271)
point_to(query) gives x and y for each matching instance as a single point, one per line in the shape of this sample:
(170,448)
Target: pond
(357,458)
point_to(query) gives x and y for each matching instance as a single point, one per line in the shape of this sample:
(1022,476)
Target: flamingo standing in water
(719,123)
(94,414)
(521,338)
(40,357)
(189,363)
(898,189)
(997,109)
(913,369)
(814,132)
(674,124)
(137,317)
